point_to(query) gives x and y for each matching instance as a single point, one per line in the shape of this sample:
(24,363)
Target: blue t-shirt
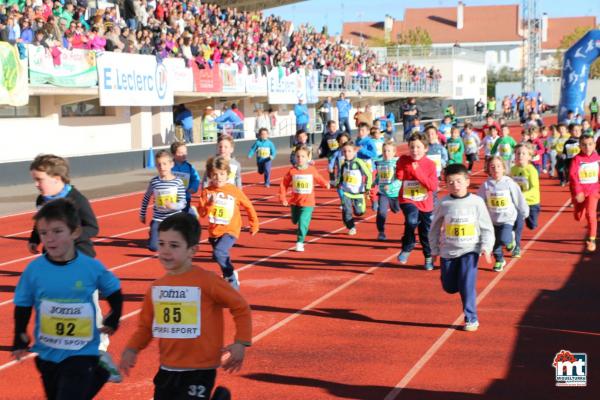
(65,315)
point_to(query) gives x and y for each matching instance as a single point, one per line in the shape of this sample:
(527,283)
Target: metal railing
(369,84)
(407,52)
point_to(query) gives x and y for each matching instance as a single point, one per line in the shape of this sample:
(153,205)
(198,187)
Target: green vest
(594,106)
(491,105)
(209,130)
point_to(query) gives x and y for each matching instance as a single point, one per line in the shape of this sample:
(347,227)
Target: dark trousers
(344,124)
(352,206)
(264,167)
(221,248)
(184,385)
(531,222)
(471,158)
(503,235)
(415,219)
(385,203)
(75,378)
(460,275)
(153,235)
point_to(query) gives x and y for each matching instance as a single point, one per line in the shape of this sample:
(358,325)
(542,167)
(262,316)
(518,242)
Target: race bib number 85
(176,312)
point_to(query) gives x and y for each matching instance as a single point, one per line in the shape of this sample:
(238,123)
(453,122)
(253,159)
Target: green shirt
(456,150)
(594,106)
(504,147)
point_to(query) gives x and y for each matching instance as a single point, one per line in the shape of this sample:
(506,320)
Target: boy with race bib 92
(221,202)
(60,285)
(184,310)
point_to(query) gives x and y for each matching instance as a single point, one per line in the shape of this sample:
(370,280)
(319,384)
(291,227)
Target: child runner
(225,147)
(584,187)
(539,150)
(389,186)
(379,140)
(489,141)
(419,181)
(221,201)
(572,147)
(60,285)
(436,152)
(561,156)
(472,143)
(526,176)
(51,176)
(184,310)
(354,179)
(265,154)
(301,177)
(460,231)
(455,146)
(329,144)
(169,196)
(505,202)
(335,163)
(185,171)
(301,140)
(504,147)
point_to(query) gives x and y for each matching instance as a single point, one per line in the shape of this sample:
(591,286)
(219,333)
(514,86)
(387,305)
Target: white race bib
(453,148)
(498,201)
(302,184)
(163,197)
(572,149)
(263,152)
(413,190)
(588,173)
(184,176)
(385,173)
(221,211)
(333,144)
(522,181)
(352,179)
(437,160)
(176,312)
(460,228)
(66,326)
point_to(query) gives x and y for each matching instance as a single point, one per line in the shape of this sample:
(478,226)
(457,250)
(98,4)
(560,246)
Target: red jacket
(418,184)
(583,169)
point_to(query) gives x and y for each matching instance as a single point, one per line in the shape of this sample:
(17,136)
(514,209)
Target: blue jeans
(153,238)
(132,23)
(415,219)
(534,213)
(503,235)
(345,123)
(385,203)
(264,167)
(304,127)
(460,275)
(188,135)
(221,248)
(350,205)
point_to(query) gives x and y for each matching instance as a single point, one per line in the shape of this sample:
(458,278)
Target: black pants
(75,378)
(184,385)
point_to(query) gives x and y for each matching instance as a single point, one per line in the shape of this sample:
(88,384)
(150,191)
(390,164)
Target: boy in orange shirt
(301,178)
(184,310)
(221,201)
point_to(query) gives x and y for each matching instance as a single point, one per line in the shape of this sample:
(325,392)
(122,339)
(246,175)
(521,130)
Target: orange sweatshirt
(186,313)
(222,205)
(302,182)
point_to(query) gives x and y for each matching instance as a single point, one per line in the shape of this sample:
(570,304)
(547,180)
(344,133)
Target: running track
(344,321)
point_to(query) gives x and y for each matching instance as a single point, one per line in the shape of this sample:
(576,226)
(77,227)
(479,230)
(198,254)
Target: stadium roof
(560,27)
(253,5)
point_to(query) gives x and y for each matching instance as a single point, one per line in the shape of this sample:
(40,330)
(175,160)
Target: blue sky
(333,12)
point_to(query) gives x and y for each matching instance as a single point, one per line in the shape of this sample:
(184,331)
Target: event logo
(571,368)
(160,77)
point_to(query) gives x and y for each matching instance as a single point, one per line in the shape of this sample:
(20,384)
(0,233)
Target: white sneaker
(352,231)
(108,364)
(234,281)
(299,246)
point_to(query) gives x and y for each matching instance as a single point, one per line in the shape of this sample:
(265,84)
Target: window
(459,79)
(89,108)
(31,110)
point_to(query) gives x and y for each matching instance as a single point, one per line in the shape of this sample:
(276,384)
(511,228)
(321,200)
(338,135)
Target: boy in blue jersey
(265,154)
(335,162)
(389,186)
(186,172)
(60,285)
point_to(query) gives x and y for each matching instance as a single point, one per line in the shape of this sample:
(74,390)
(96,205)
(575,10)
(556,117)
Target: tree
(415,37)
(504,74)
(568,41)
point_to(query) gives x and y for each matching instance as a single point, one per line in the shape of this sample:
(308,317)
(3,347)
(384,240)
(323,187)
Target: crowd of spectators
(199,32)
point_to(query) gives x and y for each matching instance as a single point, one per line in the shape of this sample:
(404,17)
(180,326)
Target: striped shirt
(164,192)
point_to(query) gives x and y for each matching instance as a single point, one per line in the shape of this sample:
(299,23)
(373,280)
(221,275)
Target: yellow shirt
(528,180)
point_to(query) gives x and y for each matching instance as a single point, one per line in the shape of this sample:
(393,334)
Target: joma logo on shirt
(65,310)
(172,294)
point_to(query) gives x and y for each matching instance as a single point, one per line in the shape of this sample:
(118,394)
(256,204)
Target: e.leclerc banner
(133,80)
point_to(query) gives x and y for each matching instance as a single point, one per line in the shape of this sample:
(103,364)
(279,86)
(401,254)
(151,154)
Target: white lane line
(448,332)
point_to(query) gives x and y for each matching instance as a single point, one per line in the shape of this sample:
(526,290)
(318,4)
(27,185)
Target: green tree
(568,41)
(415,37)
(503,74)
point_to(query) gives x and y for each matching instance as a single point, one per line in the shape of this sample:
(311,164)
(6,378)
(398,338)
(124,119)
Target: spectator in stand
(344,106)
(302,118)
(410,112)
(184,117)
(237,111)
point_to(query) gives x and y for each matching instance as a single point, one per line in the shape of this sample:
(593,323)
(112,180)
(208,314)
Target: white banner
(133,80)
(284,88)
(256,83)
(234,79)
(312,87)
(181,76)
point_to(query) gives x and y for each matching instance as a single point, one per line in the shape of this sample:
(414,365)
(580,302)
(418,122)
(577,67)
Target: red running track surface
(344,321)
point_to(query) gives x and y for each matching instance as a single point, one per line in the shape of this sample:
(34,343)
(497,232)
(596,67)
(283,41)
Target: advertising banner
(133,80)
(14,90)
(181,75)
(207,79)
(234,79)
(65,68)
(284,88)
(256,83)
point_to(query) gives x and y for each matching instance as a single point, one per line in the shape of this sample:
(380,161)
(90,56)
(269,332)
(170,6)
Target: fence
(369,84)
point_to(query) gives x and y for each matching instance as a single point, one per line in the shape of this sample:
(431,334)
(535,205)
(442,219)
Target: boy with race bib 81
(184,310)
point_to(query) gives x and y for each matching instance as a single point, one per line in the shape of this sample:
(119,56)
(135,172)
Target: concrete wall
(550,89)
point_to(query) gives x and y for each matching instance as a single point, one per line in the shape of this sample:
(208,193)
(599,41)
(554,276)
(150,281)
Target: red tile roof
(560,27)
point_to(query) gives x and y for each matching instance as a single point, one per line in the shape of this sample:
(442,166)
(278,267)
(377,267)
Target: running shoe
(108,364)
(428,264)
(234,281)
(471,326)
(403,257)
(516,253)
(299,246)
(499,265)
(381,237)
(512,244)
(352,231)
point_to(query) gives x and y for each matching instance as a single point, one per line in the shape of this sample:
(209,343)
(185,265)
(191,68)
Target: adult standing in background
(185,118)
(344,106)
(263,120)
(410,112)
(325,112)
(209,126)
(301,113)
(594,112)
(491,105)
